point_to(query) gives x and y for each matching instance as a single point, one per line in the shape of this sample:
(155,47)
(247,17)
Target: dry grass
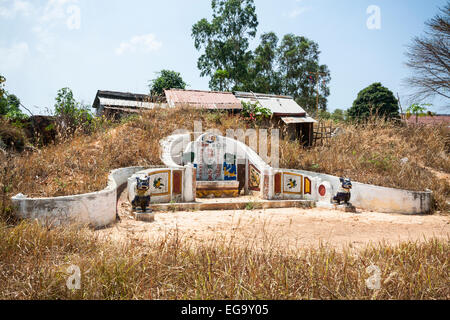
(34,262)
(369,154)
(373,153)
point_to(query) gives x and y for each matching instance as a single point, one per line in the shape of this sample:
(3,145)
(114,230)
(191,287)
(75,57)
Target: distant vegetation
(9,104)
(167,79)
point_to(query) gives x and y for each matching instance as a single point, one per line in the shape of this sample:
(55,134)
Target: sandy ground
(289,228)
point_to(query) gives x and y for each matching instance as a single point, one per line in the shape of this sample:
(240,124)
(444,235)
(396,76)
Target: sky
(119,45)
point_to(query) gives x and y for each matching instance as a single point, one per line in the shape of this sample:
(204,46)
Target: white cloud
(14,56)
(55,13)
(143,43)
(56,10)
(18,7)
(297,11)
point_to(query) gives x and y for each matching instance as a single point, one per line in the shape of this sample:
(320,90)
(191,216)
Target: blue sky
(89,45)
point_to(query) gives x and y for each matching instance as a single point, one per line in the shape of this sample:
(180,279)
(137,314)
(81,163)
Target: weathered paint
(97,209)
(370,197)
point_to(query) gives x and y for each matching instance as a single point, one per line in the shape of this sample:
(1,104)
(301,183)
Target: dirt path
(291,228)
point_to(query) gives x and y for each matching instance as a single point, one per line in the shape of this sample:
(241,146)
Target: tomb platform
(217,189)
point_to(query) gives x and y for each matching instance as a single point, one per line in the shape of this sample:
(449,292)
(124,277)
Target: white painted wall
(373,198)
(97,209)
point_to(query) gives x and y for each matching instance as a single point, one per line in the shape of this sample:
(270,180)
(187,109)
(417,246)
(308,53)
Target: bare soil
(290,228)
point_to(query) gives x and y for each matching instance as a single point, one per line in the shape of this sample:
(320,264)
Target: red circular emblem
(322,190)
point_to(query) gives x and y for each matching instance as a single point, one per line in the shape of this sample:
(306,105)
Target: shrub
(375,100)
(255,112)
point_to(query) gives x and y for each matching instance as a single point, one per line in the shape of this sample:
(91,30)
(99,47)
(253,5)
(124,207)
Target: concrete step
(233,205)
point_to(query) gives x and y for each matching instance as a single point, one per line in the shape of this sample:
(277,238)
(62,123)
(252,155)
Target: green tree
(70,113)
(220,80)
(264,75)
(9,103)
(225,42)
(2,86)
(167,79)
(338,115)
(418,110)
(298,61)
(375,100)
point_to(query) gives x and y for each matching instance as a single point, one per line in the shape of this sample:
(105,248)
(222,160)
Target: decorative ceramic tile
(307,186)
(254,178)
(292,183)
(160,183)
(229,172)
(277,184)
(177,182)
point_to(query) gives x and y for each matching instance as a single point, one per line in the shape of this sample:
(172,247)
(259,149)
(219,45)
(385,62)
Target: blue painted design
(229,172)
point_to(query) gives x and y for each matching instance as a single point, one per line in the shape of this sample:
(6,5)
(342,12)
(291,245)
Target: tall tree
(298,65)
(375,100)
(167,79)
(263,74)
(429,58)
(225,41)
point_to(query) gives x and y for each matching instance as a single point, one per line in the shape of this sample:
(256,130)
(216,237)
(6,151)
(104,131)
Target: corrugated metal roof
(282,105)
(122,109)
(289,120)
(127,103)
(127,99)
(202,99)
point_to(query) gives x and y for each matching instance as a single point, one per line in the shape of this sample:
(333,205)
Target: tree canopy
(299,62)
(290,66)
(167,79)
(375,100)
(225,41)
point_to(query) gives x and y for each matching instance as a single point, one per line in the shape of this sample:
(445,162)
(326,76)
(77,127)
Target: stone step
(148,216)
(234,205)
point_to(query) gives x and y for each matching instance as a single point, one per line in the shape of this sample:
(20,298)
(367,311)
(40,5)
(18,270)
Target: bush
(375,100)
(72,115)
(167,79)
(11,136)
(255,112)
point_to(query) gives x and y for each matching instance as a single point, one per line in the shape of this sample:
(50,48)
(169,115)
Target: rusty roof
(202,99)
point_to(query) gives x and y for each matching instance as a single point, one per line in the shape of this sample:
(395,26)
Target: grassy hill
(369,154)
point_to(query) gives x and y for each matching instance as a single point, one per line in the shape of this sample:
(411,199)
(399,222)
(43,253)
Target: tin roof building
(113,102)
(285,111)
(212,100)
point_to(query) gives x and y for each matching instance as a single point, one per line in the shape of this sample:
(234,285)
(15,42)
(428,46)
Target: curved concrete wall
(373,198)
(97,209)
(188,187)
(174,145)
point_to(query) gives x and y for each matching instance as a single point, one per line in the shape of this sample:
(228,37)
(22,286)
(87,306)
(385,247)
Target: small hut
(287,114)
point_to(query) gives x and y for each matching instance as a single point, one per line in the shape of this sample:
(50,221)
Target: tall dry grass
(385,154)
(368,154)
(34,264)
